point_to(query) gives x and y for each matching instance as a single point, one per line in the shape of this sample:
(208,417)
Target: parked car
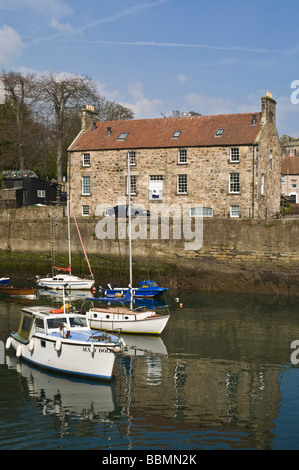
(123,211)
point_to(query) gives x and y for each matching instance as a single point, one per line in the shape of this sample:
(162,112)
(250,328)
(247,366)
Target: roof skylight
(219,132)
(176,134)
(122,136)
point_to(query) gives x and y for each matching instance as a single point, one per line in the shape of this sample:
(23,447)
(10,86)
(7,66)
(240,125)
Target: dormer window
(176,134)
(219,132)
(122,136)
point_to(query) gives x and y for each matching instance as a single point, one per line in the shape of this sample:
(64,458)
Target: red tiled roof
(290,166)
(196,131)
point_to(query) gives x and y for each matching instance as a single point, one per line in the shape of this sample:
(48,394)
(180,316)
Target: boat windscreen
(55,322)
(78,321)
(25,326)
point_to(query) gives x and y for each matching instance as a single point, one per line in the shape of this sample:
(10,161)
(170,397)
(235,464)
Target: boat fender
(92,348)
(115,348)
(19,351)
(8,343)
(58,344)
(31,345)
(64,330)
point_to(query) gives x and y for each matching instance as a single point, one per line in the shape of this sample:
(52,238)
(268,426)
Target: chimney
(88,117)
(268,108)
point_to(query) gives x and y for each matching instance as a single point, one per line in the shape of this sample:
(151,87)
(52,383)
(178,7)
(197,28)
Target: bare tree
(61,92)
(111,110)
(20,92)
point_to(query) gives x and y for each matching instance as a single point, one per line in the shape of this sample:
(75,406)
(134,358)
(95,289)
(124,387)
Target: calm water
(220,377)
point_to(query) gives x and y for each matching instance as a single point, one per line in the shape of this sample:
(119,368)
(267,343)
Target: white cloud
(46,8)
(287,116)
(182,78)
(209,105)
(63,27)
(142,107)
(11,45)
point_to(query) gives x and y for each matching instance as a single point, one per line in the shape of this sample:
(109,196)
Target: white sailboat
(120,317)
(60,281)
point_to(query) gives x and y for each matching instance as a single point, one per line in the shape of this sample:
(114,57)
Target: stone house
(290,146)
(221,166)
(290,178)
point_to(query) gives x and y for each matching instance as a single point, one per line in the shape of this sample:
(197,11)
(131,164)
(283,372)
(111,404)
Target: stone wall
(243,255)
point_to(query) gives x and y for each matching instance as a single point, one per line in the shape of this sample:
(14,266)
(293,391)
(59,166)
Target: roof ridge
(174,118)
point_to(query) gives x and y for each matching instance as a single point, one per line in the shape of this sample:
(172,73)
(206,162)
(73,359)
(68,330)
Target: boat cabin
(45,320)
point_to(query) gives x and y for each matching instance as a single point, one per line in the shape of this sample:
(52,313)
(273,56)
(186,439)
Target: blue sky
(156,56)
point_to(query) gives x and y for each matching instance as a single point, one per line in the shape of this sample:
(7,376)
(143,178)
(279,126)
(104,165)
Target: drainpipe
(253,183)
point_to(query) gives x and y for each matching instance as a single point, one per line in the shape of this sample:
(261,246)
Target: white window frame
(182,186)
(182,157)
(201,212)
(133,185)
(132,157)
(86,159)
(85,210)
(234,155)
(86,185)
(235,211)
(234,183)
(41,193)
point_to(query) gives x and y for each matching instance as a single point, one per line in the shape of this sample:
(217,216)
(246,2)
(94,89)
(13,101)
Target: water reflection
(213,380)
(65,397)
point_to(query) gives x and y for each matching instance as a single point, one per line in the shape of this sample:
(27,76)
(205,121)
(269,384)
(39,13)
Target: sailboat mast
(130,220)
(69,234)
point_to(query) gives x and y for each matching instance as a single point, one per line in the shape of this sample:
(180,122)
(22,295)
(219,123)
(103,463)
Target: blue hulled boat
(146,289)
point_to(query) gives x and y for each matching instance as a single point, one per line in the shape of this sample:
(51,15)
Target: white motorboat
(64,342)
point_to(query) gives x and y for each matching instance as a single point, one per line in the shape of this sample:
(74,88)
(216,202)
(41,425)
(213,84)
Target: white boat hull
(141,323)
(75,358)
(65,282)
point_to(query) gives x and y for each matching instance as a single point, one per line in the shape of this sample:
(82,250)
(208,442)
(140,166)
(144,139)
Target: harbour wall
(237,255)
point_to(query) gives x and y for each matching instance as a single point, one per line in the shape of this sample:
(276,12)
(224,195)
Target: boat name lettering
(98,349)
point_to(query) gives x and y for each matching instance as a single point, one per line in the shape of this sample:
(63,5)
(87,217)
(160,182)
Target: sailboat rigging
(139,320)
(59,281)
